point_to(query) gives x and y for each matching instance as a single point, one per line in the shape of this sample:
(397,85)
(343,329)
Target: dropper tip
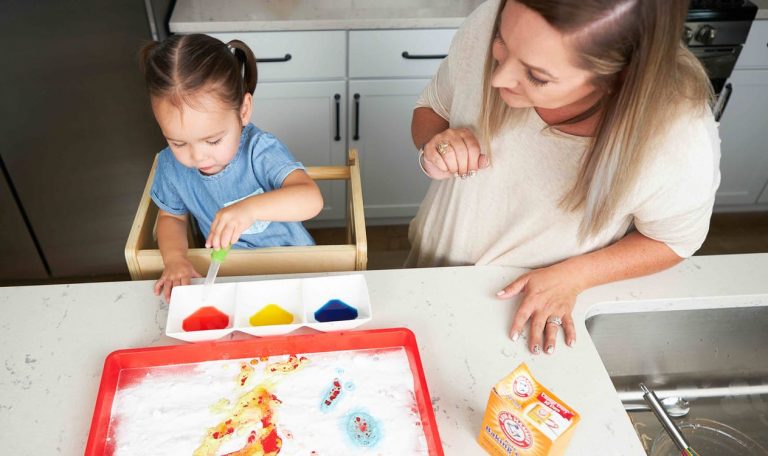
(644,388)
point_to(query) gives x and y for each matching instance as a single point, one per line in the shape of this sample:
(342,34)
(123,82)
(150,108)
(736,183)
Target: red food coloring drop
(270,443)
(215,435)
(205,318)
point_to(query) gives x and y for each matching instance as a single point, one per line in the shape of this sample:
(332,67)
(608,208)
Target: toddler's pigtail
(144,55)
(247,60)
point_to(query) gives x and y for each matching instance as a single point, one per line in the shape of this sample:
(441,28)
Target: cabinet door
(78,131)
(308,118)
(380,128)
(744,162)
(20,257)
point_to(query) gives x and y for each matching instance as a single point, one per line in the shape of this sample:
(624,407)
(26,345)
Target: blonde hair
(645,74)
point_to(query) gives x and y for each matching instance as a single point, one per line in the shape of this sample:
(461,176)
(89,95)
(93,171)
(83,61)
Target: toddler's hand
(177,272)
(228,225)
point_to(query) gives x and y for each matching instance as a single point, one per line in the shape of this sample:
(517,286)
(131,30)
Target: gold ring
(443,148)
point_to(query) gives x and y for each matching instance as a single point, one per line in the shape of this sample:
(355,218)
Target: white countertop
(762,5)
(196,16)
(206,16)
(55,339)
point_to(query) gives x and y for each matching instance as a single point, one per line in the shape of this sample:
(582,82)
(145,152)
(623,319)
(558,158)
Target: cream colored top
(508,214)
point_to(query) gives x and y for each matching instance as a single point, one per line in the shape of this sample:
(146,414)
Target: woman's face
(206,136)
(535,62)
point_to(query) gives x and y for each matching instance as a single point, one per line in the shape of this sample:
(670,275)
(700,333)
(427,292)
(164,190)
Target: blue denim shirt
(261,164)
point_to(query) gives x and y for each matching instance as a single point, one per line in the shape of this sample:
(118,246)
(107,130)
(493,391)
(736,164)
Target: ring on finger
(555,321)
(442,147)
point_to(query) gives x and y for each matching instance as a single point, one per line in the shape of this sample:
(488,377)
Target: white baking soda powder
(358,402)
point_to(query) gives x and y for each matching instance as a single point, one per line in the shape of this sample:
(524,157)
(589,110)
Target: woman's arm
(172,241)
(552,291)
(297,200)
(425,124)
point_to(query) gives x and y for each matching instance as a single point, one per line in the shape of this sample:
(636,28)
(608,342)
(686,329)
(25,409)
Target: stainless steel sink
(715,358)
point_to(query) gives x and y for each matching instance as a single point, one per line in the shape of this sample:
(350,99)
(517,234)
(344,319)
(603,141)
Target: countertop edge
(311,25)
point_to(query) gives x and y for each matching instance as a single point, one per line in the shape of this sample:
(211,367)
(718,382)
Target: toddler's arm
(297,200)
(172,240)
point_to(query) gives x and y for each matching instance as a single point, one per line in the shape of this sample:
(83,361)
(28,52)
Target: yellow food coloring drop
(271,314)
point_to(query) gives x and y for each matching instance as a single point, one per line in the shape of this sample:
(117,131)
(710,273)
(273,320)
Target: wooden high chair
(145,262)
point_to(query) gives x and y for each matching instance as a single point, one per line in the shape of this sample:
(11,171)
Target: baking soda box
(525,419)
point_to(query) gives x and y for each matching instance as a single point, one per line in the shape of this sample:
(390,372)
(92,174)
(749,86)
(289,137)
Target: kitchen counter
(762,12)
(55,339)
(197,16)
(206,16)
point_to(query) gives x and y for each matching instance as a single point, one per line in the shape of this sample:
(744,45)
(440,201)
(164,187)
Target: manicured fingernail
(515,336)
(472,173)
(571,342)
(550,349)
(536,349)
(455,174)
(499,293)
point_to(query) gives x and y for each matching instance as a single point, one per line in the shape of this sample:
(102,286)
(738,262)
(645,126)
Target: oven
(715,31)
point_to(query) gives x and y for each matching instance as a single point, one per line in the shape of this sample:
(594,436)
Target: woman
(572,137)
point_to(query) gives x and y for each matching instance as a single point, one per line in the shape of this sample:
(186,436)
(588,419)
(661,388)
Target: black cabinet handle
(408,56)
(357,117)
(337,97)
(275,59)
(725,96)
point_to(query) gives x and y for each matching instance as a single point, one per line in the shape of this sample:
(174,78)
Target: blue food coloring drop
(335,310)
(362,429)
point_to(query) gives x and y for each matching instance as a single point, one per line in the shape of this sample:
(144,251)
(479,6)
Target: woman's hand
(549,295)
(454,152)
(229,224)
(178,271)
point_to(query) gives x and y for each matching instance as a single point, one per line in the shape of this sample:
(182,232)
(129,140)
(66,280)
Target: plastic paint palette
(242,300)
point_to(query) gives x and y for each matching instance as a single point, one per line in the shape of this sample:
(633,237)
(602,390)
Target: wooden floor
(388,245)
(728,233)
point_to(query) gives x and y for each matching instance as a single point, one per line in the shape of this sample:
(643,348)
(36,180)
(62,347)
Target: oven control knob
(706,34)
(687,34)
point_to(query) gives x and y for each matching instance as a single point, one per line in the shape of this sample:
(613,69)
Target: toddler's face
(205,136)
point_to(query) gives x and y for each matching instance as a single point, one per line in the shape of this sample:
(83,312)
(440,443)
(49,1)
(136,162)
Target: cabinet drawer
(297,55)
(755,52)
(397,53)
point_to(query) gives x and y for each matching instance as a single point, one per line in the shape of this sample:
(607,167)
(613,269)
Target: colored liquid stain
(362,429)
(331,396)
(257,405)
(271,314)
(245,372)
(335,310)
(294,362)
(204,318)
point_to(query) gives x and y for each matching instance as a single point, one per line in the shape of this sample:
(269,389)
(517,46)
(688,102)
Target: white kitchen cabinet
(755,51)
(308,118)
(380,128)
(744,134)
(397,53)
(309,73)
(295,56)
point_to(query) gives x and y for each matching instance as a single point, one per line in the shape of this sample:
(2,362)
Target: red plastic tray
(121,362)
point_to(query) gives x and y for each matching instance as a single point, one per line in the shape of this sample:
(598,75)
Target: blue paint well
(335,310)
